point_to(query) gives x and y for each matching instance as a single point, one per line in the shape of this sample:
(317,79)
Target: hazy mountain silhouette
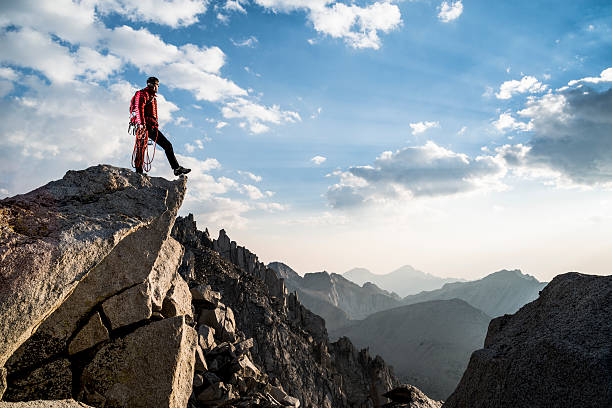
(404,281)
(334,297)
(502,292)
(429,344)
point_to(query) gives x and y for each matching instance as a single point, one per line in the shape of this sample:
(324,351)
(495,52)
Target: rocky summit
(554,352)
(108,300)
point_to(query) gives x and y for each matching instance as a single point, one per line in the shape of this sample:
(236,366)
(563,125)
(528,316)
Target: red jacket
(143,110)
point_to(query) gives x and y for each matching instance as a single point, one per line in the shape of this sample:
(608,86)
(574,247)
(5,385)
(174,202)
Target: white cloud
(421,127)
(235,5)
(173,13)
(526,84)
(318,160)
(357,26)
(221,125)
(258,128)
(422,171)
(462,131)
(251,191)
(255,114)
(248,42)
(506,121)
(605,76)
(189,148)
(50,121)
(449,12)
(71,21)
(30,48)
(250,175)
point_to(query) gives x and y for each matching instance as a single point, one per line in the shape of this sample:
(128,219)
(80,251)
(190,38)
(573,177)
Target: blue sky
(460,137)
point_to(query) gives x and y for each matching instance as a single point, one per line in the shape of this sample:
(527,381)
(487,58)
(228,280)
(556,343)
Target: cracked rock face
(151,367)
(53,236)
(553,352)
(107,312)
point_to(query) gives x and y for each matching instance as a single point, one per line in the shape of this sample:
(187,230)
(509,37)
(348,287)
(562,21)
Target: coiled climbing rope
(140,155)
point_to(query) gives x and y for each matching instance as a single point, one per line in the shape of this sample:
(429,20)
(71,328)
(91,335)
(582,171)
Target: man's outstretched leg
(165,144)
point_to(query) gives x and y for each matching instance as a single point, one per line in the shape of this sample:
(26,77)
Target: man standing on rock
(143,115)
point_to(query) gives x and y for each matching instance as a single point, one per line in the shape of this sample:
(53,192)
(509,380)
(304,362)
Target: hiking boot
(139,170)
(180,170)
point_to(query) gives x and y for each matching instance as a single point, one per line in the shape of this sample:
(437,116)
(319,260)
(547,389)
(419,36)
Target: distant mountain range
(334,297)
(502,292)
(429,344)
(404,281)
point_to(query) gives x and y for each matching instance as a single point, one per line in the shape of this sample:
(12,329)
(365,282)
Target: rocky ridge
(214,325)
(405,280)
(290,343)
(496,294)
(334,297)
(554,352)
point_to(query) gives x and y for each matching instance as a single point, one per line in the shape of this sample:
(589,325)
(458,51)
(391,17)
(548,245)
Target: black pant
(160,139)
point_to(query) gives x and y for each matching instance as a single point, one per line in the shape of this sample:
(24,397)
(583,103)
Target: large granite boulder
(151,367)
(554,352)
(117,224)
(52,237)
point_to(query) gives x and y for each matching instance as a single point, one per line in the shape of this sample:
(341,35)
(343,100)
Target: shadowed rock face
(53,236)
(554,352)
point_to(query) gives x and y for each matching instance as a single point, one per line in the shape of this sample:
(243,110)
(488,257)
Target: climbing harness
(140,155)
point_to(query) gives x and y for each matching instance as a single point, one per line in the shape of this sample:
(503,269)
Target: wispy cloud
(250,42)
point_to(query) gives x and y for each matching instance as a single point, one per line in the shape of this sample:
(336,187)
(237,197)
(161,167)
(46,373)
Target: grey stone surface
(151,367)
(52,238)
(554,352)
(204,293)
(222,320)
(92,334)
(207,339)
(65,403)
(178,299)
(130,306)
